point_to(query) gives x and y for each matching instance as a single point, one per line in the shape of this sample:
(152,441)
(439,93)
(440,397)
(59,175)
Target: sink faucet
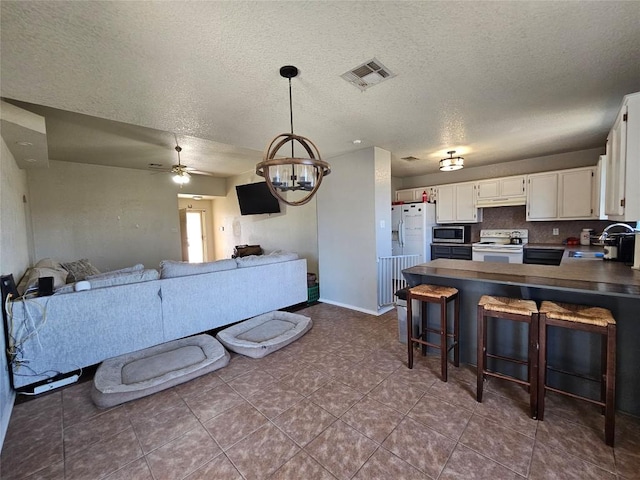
(605,233)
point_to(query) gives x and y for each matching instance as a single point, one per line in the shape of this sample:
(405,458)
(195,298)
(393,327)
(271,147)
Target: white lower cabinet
(456,204)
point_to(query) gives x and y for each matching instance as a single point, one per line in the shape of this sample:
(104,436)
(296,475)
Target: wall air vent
(410,159)
(368,74)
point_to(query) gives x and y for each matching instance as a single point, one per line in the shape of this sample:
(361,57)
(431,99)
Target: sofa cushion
(114,273)
(275,257)
(79,270)
(171,268)
(114,280)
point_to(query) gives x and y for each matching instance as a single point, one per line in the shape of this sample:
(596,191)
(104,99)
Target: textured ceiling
(495,81)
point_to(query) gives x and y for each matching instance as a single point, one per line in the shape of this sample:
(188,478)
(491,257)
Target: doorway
(192,235)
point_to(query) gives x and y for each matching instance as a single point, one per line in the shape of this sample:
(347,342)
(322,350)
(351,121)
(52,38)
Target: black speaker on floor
(45,286)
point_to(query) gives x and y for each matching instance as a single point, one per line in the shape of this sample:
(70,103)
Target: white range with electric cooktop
(501,245)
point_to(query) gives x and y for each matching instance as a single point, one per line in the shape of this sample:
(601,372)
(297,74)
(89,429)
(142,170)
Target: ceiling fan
(181,173)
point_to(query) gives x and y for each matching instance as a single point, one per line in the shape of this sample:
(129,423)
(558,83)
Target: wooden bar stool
(442,295)
(520,311)
(586,319)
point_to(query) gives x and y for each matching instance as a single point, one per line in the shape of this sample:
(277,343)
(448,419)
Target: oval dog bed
(138,374)
(264,334)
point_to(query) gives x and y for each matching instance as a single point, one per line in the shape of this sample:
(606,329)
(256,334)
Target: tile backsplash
(539,232)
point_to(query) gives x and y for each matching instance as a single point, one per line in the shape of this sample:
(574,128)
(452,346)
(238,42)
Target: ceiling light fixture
(450,164)
(181,177)
(292,173)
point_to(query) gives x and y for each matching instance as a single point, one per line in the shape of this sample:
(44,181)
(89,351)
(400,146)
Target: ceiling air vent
(410,159)
(368,74)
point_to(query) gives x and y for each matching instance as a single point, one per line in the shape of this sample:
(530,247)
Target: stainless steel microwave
(451,234)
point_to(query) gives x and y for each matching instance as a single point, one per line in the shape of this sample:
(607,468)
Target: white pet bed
(135,375)
(264,334)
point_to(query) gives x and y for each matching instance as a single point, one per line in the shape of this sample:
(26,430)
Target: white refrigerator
(411,231)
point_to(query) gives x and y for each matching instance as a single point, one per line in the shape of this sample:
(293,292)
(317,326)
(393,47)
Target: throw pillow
(79,270)
(30,278)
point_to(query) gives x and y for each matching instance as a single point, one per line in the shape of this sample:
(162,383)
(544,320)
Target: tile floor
(338,403)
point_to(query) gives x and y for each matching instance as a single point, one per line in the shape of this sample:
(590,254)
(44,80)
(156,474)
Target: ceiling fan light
(450,164)
(181,178)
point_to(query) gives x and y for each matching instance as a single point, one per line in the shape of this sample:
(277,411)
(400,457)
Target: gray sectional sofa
(68,331)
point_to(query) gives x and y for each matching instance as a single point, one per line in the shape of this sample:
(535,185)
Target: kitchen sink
(586,255)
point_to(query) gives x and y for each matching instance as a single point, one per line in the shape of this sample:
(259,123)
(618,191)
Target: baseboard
(352,307)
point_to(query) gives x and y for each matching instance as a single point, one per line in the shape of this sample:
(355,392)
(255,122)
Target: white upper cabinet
(457,203)
(576,193)
(542,196)
(563,195)
(501,192)
(415,194)
(406,195)
(623,163)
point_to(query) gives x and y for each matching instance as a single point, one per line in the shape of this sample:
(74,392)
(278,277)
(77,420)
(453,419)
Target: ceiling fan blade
(200,172)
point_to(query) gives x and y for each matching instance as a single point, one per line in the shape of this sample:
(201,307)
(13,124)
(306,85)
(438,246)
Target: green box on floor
(313,293)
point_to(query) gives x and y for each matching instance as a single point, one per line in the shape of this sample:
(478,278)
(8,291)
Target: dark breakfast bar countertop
(595,282)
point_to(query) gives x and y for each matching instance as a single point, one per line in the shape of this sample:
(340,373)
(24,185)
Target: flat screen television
(255,198)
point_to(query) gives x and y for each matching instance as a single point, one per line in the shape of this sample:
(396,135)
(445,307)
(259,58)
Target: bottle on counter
(425,198)
(585,236)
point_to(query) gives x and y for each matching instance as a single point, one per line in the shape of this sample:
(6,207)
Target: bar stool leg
(533,364)
(481,352)
(610,402)
(542,366)
(409,332)
(604,340)
(423,325)
(443,338)
(456,331)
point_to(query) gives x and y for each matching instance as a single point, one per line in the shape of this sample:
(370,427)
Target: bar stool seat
(442,295)
(588,319)
(518,310)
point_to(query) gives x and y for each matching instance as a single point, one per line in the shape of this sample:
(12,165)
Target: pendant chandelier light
(449,164)
(292,173)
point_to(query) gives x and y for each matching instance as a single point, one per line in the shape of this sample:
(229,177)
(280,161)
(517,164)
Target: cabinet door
(542,196)
(616,161)
(461,253)
(512,186)
(440,251)
(575,193)
(404,195)
(445,207)
(466,210)
(488,189)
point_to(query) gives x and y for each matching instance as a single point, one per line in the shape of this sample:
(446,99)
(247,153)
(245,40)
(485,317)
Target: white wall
(351,205)
(580,158)
(14,255)
(293,229)
(115,217)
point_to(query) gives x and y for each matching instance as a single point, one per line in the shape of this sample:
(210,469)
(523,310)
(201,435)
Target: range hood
(500,202)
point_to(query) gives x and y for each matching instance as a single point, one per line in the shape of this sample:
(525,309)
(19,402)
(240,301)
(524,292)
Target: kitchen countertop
(582,275)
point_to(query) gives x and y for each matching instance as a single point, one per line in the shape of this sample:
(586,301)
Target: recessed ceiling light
(24,144)
(357,141)
(30,160)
